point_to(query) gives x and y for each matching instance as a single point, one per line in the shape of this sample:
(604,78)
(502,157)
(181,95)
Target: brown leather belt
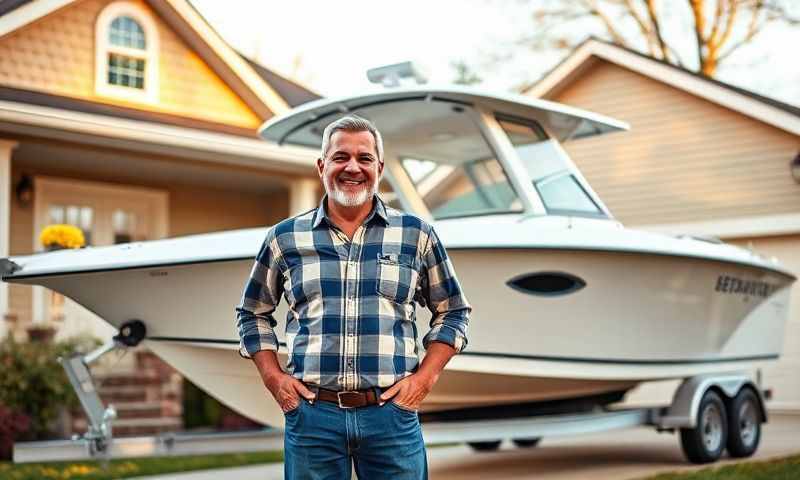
(350,399)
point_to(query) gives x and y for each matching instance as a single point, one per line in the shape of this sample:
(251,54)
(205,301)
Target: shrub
(12,426)
(34,384)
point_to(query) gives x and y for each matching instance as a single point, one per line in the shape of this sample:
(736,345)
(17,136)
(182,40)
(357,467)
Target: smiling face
(350,170)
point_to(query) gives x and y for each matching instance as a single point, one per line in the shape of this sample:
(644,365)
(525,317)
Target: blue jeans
(323,441)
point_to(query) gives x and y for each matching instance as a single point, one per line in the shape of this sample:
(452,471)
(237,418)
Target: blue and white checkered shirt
(351,320)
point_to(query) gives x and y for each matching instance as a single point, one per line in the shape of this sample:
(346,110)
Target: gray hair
(352,123)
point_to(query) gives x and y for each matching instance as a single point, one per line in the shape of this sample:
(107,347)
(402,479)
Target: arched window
(127,53)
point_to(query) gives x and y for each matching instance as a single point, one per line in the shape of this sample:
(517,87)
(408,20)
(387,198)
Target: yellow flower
(65,236)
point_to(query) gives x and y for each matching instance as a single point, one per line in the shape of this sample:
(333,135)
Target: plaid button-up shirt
(351,319)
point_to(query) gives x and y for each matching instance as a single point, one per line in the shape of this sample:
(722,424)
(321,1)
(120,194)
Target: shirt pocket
(397,277)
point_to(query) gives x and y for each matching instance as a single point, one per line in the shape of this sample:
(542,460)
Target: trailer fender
(682,412)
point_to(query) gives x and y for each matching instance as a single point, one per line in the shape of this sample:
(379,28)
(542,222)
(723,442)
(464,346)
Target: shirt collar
(378,210)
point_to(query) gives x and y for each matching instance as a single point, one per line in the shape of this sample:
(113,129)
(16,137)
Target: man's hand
(287,391)
(410,391)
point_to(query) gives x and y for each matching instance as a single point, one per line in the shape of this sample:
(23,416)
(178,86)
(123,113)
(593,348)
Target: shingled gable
(263,90)
(765,109)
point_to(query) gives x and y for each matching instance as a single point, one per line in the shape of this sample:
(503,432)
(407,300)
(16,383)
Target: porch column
(302,195)
(5,221)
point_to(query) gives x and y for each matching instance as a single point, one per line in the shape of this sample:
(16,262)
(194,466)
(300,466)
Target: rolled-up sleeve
(442,293)
(262,292)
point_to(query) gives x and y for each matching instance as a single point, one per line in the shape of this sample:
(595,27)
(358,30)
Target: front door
(107,214)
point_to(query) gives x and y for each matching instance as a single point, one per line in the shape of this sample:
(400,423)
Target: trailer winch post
(99,435)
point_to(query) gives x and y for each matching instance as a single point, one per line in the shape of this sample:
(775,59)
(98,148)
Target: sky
(329,46)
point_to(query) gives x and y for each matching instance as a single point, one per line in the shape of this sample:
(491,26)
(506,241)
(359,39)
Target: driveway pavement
(619,455)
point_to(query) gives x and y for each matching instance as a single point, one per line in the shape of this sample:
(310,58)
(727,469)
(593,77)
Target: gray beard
(347,200)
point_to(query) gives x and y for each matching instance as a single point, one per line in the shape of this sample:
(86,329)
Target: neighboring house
(702,158)
(133,120)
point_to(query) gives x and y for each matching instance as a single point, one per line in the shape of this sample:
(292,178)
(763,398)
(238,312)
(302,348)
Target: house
(702,158)
(133,120)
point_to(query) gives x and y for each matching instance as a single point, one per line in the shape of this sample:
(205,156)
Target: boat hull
(638,317)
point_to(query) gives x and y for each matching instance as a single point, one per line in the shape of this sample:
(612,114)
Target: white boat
(570,307)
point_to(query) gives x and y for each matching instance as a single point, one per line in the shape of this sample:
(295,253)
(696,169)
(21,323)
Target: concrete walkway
(620,455)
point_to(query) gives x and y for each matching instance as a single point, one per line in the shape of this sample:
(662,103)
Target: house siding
(782,376)
(685,159)
(57,55)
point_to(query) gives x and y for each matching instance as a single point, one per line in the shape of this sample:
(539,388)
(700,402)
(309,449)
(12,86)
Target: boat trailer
(711,412)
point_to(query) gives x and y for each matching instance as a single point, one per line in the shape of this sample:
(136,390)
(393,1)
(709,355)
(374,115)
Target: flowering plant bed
(127,468)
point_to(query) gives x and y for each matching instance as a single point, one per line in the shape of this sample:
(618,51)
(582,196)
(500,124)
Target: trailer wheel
(705,442)
(744,424)
(489,446)
(526,442)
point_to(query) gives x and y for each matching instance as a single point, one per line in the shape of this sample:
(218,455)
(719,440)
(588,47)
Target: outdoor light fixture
(795,166)
(24,190)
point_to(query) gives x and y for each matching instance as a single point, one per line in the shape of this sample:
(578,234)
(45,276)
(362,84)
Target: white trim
(150,55)
(675,77)
(101,196)
(29,13)
(242,151)
(6,146)
(758,226)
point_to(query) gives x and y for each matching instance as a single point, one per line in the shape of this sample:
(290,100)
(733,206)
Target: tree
(719,27)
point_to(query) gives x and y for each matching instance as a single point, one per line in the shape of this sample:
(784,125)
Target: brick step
(136,426)
(122,394)
(140,378)
(162,408)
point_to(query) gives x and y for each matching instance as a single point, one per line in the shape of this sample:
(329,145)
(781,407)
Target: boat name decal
(755,288)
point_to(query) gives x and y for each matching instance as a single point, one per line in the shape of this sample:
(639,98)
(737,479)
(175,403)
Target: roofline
(262,92)
(185,142)
(712,90)
(272,70)
(29,13)
(220,47)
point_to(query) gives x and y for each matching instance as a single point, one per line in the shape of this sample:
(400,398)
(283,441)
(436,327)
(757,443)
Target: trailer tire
(488,446)
(526,442)
(744,424)
(706,442)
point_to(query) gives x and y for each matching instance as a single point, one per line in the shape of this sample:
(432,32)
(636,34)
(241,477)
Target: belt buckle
(339,396)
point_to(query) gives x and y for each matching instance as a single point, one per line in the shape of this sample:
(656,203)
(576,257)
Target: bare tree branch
(699,27)
(651,12)
(752,30)
(595,10)
(717,21)
(644,28)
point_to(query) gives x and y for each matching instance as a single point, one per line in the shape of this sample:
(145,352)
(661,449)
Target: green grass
(787,468)
(126,468)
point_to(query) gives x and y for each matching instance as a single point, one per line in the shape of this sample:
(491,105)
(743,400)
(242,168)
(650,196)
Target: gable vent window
(127,60)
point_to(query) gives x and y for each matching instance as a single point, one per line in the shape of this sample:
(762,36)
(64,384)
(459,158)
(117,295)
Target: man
(351,270)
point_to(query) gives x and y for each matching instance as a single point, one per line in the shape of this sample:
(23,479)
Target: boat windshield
(550,170)
(439,150)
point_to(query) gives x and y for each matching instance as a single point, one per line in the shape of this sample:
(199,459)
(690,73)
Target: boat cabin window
(549,169)
(563,195)
(441,150)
